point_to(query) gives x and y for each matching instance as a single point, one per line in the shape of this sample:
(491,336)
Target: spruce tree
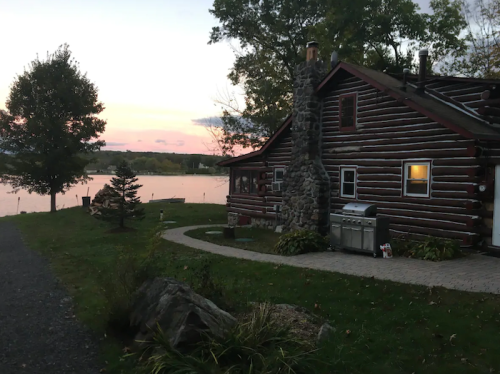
(125,203)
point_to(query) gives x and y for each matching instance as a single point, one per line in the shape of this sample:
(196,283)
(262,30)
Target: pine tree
(125,203)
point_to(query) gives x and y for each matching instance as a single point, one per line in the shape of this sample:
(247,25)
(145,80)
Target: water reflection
(195,188)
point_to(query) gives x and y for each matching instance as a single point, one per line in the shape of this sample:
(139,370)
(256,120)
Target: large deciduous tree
(482,56)
(51,126)
(270,38)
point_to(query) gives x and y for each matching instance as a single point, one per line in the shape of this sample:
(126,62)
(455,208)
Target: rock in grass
(182,314)
(325,332)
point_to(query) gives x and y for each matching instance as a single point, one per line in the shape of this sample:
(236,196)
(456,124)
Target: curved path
(38,331)
(475,273)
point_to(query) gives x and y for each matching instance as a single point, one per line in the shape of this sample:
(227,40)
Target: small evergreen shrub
(301,241)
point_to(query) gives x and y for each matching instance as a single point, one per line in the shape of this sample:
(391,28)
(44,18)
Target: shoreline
(168,175)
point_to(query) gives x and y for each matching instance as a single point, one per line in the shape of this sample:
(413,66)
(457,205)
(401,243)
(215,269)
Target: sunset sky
(150,60)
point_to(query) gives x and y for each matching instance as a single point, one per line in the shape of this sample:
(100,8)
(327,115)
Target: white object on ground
(386,250)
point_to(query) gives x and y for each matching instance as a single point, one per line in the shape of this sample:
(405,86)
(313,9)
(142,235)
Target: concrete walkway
(476,273)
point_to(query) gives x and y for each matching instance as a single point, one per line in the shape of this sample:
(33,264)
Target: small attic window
(347,112)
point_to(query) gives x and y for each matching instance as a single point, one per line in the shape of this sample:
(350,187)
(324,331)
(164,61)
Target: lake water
(195,188)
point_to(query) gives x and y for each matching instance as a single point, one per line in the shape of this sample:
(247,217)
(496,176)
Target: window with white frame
(417,179)
(348,182)
(278,174)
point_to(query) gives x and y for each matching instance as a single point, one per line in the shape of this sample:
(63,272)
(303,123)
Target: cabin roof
(449,115)
(286,124)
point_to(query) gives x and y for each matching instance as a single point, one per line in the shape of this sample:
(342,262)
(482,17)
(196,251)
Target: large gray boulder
(180,312)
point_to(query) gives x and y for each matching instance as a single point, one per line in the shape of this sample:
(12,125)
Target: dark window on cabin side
(278,174)
(348,182)
(245,182)
(347,112)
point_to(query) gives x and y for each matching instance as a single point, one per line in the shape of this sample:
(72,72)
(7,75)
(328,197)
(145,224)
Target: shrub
(204,282)
(437,249)
(301,241)
(261,345)
(402,245)
(430,248)
(129,272)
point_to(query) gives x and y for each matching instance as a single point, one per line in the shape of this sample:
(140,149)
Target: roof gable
(452,116)
(286,124)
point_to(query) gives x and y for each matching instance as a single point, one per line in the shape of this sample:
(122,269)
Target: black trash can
(85,201)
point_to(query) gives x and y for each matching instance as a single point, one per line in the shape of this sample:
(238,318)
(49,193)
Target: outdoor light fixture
(482,188)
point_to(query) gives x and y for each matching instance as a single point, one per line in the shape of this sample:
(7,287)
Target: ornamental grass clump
(300,241)
(259,345)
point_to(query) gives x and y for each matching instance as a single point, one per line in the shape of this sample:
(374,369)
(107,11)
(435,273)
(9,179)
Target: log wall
(388,134)
(468,96)
(263,204)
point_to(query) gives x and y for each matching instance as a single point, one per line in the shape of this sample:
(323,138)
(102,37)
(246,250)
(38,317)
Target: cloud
(115,144)
(181,142)
(207,121)
(139,141)
(178,143)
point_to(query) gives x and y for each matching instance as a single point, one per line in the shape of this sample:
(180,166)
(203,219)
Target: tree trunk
(122,222)
(52,202)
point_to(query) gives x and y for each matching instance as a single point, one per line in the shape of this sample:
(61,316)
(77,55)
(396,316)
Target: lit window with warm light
(416,179)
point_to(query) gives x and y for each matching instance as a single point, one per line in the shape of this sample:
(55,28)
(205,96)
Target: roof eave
(283,127)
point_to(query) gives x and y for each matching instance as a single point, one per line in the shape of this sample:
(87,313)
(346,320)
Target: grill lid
(360,209)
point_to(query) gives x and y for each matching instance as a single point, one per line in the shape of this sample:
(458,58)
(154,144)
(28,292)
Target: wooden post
(229,233)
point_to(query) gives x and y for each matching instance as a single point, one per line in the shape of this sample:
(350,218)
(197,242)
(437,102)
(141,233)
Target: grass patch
(264,240)
(393,328)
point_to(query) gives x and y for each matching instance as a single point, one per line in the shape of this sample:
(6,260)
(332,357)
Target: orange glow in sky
(149,59)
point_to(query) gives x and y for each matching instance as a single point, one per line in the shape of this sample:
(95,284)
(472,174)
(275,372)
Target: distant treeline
(157,163)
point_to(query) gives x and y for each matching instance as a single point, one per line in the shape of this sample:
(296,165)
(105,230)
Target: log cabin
(424,149)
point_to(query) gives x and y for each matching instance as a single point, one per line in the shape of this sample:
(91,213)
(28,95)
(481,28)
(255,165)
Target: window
(278,174)
(347,112)
(254,185)
(245,181)
(278,179)
(416,179)
(348,182)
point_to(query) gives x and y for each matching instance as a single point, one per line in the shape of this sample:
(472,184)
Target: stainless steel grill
(357,228)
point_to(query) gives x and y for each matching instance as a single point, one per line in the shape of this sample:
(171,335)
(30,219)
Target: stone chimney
(312,51)
(306,184)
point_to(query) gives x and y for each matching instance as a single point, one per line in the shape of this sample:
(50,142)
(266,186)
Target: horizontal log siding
(387,134)
(465,95)
(262,206)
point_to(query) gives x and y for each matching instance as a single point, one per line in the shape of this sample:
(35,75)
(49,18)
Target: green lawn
(263,239)
(395,328)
